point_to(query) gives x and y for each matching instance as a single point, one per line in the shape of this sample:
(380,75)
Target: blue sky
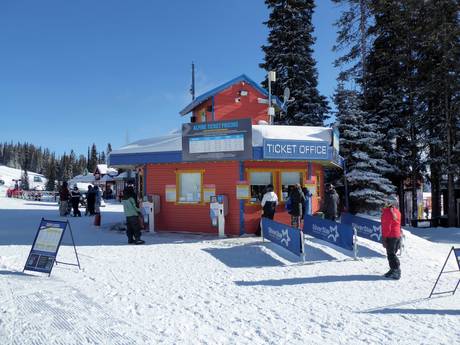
(77,72)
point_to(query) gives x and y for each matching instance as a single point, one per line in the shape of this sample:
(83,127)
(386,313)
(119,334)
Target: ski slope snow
(8,174)
(192,289)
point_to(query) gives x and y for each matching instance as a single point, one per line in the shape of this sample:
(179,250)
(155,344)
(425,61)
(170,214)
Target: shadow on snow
(311,280)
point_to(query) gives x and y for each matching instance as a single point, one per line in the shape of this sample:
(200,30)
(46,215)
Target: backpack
(288,205)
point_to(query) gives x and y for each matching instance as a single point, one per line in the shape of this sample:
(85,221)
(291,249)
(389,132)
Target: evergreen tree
(93,160)
(391,90)
(353,39)
(25,180)
(368,189)
(440,96)
(290,54)
(109,149)
(50,174)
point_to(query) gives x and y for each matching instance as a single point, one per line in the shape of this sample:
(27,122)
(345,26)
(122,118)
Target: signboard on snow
(219,140)
(46,245)
(366,228)
(283,235)
(339,234)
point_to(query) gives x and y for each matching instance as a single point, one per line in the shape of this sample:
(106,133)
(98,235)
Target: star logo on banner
(285,239)
(376,232)
(333,233)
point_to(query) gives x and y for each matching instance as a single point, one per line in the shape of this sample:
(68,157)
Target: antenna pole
(192,89)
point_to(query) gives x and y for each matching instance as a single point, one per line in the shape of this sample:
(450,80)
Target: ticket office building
(184,171)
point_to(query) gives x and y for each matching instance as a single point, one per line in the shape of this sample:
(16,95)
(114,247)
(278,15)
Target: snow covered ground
(186,289)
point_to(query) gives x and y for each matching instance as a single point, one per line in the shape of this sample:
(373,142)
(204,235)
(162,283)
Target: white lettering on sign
(292,149)
(282,236)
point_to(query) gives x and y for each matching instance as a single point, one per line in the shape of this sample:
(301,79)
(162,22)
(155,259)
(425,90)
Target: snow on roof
(173,142)
(103,170)
(122,176)
(82,178)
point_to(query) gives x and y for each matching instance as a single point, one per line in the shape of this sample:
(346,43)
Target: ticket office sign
(46,246)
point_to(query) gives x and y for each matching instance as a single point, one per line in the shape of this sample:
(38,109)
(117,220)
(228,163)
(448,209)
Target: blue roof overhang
(134,159)
(204,97)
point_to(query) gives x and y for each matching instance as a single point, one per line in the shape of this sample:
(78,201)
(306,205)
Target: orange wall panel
(195,218)
(225,107)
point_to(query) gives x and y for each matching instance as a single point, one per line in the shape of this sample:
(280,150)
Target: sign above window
(296,150)
(222,140)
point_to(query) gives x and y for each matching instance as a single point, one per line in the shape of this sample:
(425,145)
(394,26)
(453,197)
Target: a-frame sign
(456,252)
(45,247)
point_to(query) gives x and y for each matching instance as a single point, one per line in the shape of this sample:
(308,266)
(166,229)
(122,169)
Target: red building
(229,146)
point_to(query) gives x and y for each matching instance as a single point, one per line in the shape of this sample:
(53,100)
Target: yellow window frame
(318,183)
(178,186)
(248,172)
(303,174)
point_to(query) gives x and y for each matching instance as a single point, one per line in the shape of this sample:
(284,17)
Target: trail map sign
(45,247)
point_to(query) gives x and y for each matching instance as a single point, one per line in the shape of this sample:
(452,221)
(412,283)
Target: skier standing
(297,205)
(64,197)
(91,200)
(76,195)
(391,236)
(97,206)
(132,213)
(268,203)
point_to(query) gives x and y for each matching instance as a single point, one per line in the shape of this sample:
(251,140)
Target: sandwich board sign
(45,247)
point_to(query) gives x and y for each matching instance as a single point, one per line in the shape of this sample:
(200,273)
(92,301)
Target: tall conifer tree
(368,189)
(289,53)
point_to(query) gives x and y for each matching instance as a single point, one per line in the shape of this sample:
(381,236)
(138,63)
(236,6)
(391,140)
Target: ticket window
(258,181)
(288,181)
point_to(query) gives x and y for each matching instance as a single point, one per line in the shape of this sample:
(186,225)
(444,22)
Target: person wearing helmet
(391,236)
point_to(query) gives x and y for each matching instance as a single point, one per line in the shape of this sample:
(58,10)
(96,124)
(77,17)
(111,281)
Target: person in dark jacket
(91,200)
(64,198)
(331,203)
(132,213)
(391,236)
(76,195)
(268,203)
(297,199)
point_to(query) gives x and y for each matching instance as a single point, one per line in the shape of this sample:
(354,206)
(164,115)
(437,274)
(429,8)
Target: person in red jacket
(391,236)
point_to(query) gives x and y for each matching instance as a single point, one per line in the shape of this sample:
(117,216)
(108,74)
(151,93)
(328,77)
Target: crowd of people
(70,200)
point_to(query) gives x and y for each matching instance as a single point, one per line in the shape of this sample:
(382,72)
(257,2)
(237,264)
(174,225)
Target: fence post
(355,243)
(302,240)
(262,230)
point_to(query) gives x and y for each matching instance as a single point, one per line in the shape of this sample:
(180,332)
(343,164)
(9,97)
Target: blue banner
(283,235)
(296,149)
(339,234)
(457,256)
(366,228)
(46,245)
